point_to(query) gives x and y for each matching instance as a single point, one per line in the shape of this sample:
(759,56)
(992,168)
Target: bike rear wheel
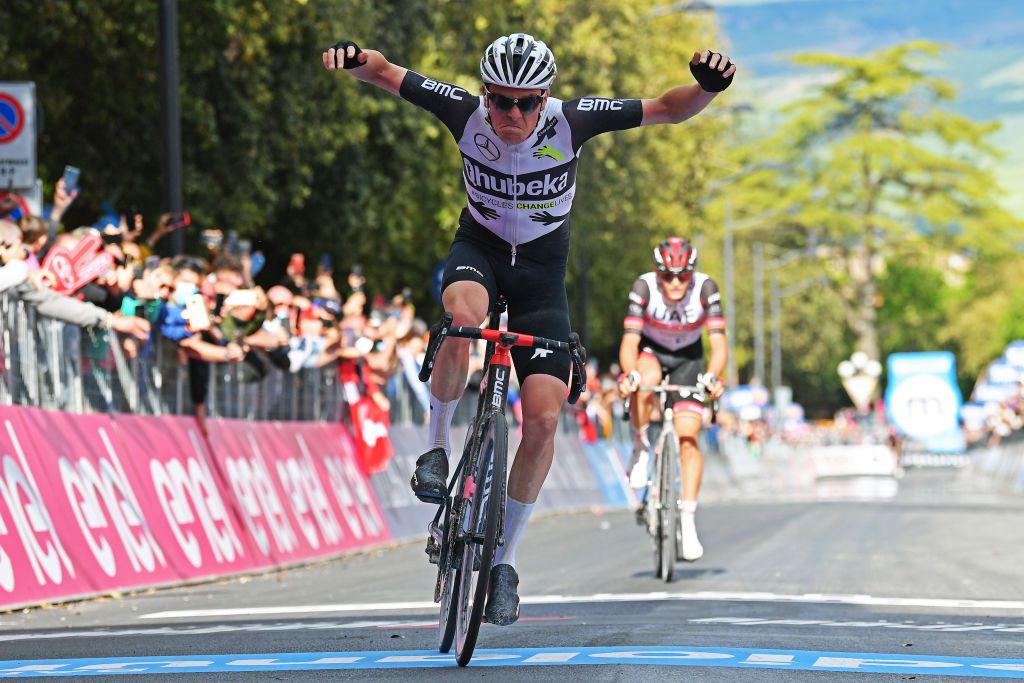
(668,506)
(481,524)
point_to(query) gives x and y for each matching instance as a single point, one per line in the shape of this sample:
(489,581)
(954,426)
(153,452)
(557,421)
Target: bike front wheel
(485,500)
(665,541)
(450,561)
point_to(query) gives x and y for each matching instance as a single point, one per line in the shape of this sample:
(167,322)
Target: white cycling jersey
(674,325)
(520,191)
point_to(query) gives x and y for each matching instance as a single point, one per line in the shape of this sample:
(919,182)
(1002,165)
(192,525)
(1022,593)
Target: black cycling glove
(710,80)
(341,48)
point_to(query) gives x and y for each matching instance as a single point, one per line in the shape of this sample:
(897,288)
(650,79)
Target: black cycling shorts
(534,289)
(682,366)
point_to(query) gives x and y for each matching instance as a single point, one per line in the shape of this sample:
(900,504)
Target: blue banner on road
(661,655)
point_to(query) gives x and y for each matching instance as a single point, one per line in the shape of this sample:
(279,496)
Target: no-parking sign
(923,401)
(17,135)
(29,202)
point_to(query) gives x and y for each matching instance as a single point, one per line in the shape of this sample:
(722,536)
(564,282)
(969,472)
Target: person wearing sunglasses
(667,311)
(520,148)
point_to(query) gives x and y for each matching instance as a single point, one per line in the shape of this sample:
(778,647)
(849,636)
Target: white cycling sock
(441,413)
(516,516)
(692,548)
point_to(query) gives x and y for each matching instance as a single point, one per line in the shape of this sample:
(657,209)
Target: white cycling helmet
(518,61)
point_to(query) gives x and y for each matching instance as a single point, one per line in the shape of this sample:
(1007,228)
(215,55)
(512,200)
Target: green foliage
(912,314)
(887,181)
(300,159)
(894,186)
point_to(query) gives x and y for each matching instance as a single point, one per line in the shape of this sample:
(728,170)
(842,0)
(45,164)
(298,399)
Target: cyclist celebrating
(520,147)
(667,310)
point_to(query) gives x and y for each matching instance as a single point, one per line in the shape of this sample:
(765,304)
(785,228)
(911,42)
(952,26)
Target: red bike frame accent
(501,356)
(496,337)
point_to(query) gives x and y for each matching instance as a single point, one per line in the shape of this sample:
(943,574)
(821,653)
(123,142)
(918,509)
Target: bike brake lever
(437,335)
(578,354)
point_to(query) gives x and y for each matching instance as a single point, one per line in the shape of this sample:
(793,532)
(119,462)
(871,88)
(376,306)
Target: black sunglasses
(669,277)
(504,104)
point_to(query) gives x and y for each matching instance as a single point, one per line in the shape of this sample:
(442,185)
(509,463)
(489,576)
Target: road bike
(469,525)
(660,506)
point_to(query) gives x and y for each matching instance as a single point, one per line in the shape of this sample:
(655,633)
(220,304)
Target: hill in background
(985,60)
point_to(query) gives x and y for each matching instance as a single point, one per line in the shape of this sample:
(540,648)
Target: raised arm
(713,72)
(369,66)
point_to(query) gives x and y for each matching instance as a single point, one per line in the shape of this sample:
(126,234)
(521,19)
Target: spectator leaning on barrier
(49,303)
(185,319)
(35,233)
(310,348)
(13,266)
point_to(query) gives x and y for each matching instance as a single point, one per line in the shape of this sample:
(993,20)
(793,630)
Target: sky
(984,60)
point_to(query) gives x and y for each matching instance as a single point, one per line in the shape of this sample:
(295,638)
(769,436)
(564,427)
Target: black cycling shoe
(430,480)
(502,596)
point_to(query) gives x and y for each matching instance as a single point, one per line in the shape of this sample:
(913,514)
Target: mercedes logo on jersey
(487,147)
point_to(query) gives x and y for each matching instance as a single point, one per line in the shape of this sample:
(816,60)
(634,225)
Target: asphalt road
(881,580)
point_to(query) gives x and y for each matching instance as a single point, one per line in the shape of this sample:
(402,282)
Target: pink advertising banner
(299,488)
(95,503)
(36,519)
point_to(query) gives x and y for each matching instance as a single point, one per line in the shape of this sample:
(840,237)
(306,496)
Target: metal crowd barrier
(49,364)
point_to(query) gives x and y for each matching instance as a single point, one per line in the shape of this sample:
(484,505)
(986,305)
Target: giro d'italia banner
(923,401)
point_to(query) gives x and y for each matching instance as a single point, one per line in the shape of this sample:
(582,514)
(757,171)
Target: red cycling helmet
(675,255)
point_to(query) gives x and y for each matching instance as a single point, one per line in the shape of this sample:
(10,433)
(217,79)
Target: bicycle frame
(482,531)
(662,493)
(494,389)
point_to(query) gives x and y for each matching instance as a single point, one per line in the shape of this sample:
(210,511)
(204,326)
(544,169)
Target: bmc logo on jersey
(452,91)
(598,104)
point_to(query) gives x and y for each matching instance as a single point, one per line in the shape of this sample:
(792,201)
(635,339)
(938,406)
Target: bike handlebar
(444,328)
(508,339)
(675,388)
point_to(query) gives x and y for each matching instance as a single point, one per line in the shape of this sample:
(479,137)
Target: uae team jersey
(521,191)
(674,324)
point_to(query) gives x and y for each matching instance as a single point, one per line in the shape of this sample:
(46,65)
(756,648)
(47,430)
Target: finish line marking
(739,658)
(708,596)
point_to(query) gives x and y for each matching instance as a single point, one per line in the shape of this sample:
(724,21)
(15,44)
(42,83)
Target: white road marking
(939,626)
(707,596)
(204,629)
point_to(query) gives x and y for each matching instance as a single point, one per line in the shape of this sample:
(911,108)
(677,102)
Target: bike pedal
(430,497)
(433,551)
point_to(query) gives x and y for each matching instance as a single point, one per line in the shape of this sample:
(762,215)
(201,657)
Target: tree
(302,160)
(894,184)
(871,157)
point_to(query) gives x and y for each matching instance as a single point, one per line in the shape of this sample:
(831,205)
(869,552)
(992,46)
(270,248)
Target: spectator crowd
(110,275)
